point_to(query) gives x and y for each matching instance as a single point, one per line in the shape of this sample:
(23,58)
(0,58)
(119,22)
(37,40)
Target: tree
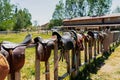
(70,8)
(22,19)
(81,8)
(98,7)
(58,15)
(59,11)
(55,22)
(6,21)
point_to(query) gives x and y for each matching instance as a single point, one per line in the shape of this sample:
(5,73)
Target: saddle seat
(7,45)
(65,41)
(93,34)
(15,53)
(10,46)
(44,47)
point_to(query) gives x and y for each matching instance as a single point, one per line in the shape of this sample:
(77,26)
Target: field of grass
(28,70)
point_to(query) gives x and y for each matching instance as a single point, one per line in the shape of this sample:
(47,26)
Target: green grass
(28,70)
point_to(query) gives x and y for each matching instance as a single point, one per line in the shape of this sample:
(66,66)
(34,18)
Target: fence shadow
(93,67)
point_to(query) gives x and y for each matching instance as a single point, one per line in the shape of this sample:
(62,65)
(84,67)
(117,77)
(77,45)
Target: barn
(111,21)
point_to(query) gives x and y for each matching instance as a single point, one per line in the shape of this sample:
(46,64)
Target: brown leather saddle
(44,48)
(66,41)
(15,53)
(79,39)
(4,67)
(93,34)
(102,36)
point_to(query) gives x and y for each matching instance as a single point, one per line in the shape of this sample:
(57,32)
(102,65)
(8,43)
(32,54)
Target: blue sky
(41,10)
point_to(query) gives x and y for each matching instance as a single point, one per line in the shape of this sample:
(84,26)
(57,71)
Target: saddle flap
(67,43)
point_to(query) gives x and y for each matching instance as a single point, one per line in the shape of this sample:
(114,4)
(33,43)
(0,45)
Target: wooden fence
(92,48)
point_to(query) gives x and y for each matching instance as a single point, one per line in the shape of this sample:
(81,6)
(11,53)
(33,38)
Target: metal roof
(91,18)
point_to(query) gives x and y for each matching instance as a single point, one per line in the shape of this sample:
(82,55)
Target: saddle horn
(57,34)
(27,39)
(75,35)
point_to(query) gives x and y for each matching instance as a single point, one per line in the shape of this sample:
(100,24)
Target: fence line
(90,53)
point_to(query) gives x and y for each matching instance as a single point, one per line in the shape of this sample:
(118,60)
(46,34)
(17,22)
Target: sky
(42,10)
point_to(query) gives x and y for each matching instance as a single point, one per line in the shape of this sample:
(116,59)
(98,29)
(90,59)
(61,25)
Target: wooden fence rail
(92,48)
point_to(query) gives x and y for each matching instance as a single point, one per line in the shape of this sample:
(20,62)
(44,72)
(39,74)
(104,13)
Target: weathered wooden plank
(55,61)
(37,65)
(17,75)
(47,69)
(85,51)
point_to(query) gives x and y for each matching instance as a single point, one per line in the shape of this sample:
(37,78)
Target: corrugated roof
(99,25)
(88,17)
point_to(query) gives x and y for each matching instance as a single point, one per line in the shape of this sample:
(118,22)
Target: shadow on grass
(93,67)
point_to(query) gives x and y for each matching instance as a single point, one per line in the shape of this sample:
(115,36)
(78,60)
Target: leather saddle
(4,67)
(93,34)
(15,53)
(44,48)
(66,41)
(79,40)
(102,36)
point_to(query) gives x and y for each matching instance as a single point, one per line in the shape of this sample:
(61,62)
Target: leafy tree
(81,8)
(70,8)
(12,18)
(6,21)
(22,19)
(59,11)
(98,7)
(55,22)
(58,15)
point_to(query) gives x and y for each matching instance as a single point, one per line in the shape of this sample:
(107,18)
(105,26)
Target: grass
(110,70)
(91,72)
(28,70)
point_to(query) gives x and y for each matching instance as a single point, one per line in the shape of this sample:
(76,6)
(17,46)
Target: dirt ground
(111,68)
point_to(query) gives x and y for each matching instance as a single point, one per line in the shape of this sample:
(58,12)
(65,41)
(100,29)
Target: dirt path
(111,69)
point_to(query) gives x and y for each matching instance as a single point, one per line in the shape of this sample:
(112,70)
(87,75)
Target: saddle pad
(4,67)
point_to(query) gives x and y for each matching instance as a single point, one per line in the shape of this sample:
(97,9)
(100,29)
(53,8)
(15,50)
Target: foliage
(22,19)
(98,7)
(79,8)
(55,22)
(11,18)
(59,11)
(6,15)
(58,15)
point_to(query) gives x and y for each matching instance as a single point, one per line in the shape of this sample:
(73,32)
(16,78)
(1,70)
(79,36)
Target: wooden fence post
(67,60)
(101,47)
(85,50)
(73,74)
(98,44)
(17,75)
(47,70)
(90,49)
(55,61)
(37,65)
(94,49)
(78,55)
